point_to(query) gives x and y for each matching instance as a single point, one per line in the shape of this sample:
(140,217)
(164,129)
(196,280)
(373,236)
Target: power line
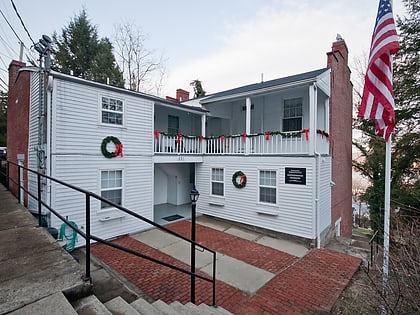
(11,27)
(21,21)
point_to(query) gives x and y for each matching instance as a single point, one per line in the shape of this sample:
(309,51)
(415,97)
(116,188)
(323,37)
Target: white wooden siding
(33,138)
(294,211)
(77,158)
(325,193)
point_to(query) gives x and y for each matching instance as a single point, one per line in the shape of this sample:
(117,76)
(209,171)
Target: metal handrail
(88,236)
(373,240)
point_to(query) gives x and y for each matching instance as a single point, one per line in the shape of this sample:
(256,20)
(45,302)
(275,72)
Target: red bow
(244,137)
(156,133)
(118,149)
(241,179)
(200,138)
(178,139)
(306,131)
(222,137)
(267,135)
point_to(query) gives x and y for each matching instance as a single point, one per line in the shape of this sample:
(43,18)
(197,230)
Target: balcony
(267,143)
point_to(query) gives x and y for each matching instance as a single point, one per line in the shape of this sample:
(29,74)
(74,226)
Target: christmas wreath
(242,179)
(118,147)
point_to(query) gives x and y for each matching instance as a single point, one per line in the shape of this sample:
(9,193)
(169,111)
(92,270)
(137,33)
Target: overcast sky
(224,44)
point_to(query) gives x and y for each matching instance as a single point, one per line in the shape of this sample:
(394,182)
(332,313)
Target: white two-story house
(259,154)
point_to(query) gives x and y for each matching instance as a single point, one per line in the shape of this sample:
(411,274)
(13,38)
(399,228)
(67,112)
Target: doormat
(173,217)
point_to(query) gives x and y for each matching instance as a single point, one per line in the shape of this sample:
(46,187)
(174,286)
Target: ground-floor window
(217,181)
(111,187)
(267,186)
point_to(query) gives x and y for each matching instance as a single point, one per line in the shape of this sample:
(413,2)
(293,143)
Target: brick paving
(301,285)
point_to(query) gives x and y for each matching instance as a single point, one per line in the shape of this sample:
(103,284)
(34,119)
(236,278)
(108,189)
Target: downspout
(317,193)
(313,93)
(48,153)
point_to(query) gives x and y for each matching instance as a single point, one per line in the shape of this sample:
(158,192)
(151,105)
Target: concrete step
(181,309)
(144,307)
(164,308)
(207,309)
(119,306)
(48,305)
(90,305)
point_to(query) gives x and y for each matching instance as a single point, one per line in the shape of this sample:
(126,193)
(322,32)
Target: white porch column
(248,125)
(313,100)
(203,133)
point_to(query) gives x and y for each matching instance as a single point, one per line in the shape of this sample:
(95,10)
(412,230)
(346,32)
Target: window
(112,111)
(173,125)
(268,186)
(111,187)
(292,114)
(217,181)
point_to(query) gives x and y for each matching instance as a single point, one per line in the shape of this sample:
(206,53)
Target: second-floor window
(217,181)
(112,110)
(173,125)
(292,114)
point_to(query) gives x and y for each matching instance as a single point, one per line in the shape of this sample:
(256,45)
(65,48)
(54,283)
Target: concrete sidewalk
(235,272)
(33,268)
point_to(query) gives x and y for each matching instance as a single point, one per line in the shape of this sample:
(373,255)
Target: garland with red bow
(267,135)
(118,147)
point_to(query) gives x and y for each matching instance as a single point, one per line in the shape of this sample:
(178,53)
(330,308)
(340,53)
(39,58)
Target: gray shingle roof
(265,85)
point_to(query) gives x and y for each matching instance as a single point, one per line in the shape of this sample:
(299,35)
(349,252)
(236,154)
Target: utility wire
(11,27)
(21,21)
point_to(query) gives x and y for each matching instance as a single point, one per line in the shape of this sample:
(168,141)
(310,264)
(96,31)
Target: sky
(225,44)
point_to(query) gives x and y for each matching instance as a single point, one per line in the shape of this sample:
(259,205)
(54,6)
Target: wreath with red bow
(118,147)
(242,179)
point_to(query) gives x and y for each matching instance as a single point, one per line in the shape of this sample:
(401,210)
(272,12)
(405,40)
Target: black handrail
(87,235)
(373,251)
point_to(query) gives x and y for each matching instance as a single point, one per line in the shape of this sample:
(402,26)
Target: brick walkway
(301,285)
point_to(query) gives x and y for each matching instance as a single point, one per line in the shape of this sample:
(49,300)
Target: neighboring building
(258,154)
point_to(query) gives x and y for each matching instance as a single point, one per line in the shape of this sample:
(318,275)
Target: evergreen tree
(79,50)
(198,88)
(405,181)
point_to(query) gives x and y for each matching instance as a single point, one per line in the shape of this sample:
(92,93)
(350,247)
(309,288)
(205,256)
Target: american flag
(378,95)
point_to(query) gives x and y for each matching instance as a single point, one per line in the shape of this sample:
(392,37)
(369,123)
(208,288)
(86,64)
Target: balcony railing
(253,144)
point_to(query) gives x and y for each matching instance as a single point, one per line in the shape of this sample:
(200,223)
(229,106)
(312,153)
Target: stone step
(144,307)
(90,305)
(47,305)
(119,306)
(164,308)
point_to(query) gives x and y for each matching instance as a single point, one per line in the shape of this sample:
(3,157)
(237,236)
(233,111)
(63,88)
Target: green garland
(105,152)
(268,133)
(242,177)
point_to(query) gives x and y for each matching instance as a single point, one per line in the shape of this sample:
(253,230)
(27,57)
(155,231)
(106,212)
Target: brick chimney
(341,105)
(182,95)
(17,118)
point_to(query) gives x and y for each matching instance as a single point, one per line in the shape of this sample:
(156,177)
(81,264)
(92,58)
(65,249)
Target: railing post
(7,175)
(214,279)
(38,179)
(18,183)
(87,275)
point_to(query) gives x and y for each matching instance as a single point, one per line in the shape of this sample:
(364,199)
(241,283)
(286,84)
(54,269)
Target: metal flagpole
(386,223)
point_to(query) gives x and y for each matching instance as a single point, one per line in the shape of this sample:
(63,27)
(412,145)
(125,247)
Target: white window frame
(292,102)
(267,186)
(217,181)
(110,208)
(102,110)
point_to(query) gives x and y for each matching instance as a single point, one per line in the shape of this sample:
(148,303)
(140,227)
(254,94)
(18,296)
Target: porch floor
(166,210)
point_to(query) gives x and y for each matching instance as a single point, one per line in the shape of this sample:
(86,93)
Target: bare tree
(143,69)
